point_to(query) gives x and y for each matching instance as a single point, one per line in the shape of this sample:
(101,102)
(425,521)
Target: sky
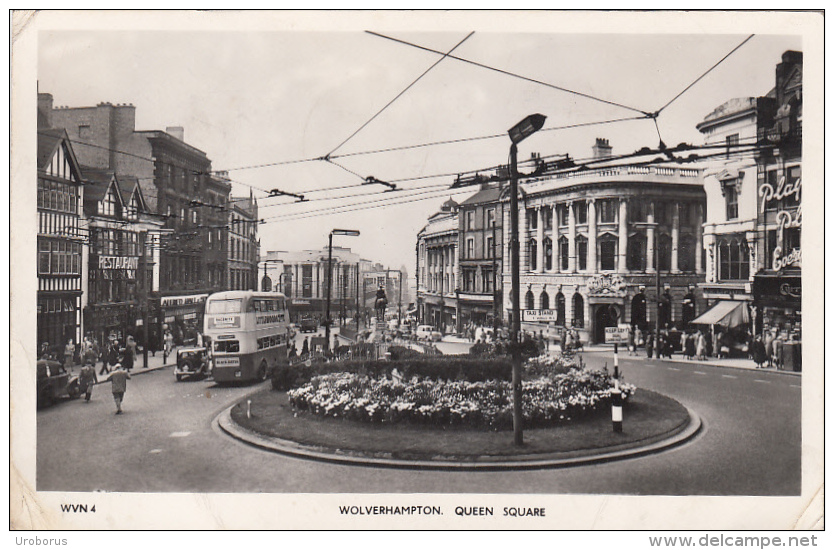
(273,96)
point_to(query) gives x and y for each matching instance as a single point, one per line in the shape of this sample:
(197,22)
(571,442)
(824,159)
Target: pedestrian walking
(777,352)
(118,382)
(305,348)
(650,345)
(169,345)
(631,342)
(691,345)
(69,355)
(87,379)
(768,345)
(757,350)
(701,346)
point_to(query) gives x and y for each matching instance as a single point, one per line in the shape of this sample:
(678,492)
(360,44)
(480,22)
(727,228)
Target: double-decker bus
(248,333)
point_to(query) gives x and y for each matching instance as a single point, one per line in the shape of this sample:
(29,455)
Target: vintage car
(308,324)
(428,332)
(54,382)
(192,362)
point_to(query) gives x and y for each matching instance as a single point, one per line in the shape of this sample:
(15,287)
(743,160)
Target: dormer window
(133,209)
(108,206)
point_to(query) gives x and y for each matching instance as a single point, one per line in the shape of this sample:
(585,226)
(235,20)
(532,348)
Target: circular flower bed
(558,390)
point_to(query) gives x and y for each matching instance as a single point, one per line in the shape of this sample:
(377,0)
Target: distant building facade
(438,268)
(243,246)
(595,243)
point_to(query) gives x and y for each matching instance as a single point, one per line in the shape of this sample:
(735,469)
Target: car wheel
(262,371)
(179,378)
(74,390)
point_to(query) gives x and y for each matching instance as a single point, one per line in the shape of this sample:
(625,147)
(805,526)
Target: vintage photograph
(516,270)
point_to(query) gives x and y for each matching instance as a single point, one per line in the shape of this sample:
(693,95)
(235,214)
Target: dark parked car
(54,382)
(191,362)
(309,325)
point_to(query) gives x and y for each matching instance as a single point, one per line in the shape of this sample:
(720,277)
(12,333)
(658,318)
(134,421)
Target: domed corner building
(437,268)
(604,245)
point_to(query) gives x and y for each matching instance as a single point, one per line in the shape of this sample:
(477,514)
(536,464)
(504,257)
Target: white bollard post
(248,408)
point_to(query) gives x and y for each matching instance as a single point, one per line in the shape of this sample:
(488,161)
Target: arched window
(686,253)
(578,311)
(564,253)
(560,309)
(548,253)
(532,254)
(530,300)
(664,252)
(545,300)
(636,252)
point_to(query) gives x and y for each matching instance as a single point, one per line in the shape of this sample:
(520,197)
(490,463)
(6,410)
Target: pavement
(734,363)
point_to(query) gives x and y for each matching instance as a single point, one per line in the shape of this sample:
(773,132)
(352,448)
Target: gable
(60,166)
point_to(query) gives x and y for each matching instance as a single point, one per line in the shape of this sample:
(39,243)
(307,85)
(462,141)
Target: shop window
(578,311)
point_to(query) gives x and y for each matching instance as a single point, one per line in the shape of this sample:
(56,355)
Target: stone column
(592,237)
(540,240)
(523,260)
(699,236)
(571,238)
(650,228)
(622,241)
(554,239)
(676,222)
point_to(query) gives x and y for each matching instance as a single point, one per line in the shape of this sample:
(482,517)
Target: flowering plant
(547,399)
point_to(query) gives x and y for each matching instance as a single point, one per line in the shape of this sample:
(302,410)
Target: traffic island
(651,423)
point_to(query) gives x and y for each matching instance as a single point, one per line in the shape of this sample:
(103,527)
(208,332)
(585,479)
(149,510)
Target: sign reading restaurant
(118,262)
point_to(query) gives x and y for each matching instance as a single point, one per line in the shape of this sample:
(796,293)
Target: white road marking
(155,451)
(699,372)
(180,434)
(728,376)
(795,386)
(762,381)
(672,368)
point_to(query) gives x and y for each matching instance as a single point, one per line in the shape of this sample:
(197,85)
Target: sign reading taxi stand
(539,315)
(617,335)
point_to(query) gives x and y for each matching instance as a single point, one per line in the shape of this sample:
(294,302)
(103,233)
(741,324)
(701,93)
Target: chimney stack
(45,103)
(601,149)
(176,131)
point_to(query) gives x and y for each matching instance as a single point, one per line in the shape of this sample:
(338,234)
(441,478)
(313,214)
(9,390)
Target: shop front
(777,309)
(183,316)
(440,312)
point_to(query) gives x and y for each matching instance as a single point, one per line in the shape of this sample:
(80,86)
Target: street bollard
(617,397)
(248,408)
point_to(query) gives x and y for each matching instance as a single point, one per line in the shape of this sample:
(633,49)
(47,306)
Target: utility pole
(143,277)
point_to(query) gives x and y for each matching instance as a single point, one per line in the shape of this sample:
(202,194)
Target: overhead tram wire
(435,64)
(720,61)
(516,75)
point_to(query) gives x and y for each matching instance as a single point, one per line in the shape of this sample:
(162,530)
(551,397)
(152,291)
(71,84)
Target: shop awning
(726,313)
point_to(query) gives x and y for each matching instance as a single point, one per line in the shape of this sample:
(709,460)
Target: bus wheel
(262,370)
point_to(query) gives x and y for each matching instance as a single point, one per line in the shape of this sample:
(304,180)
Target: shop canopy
(726,313)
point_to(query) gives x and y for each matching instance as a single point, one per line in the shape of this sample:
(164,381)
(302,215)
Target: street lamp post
(518,133)
(349,233)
